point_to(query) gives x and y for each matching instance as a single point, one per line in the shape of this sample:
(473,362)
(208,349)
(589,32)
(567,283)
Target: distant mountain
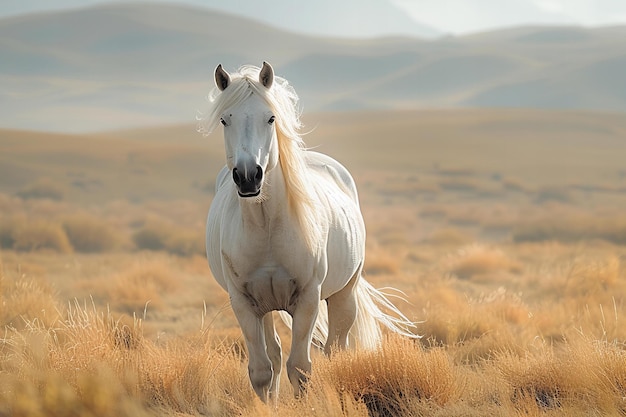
(122,65)
(330,18)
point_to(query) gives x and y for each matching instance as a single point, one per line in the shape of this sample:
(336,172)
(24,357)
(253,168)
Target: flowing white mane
(284,102)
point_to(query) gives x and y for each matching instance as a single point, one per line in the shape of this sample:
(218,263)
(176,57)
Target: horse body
(285,231)
(273,249)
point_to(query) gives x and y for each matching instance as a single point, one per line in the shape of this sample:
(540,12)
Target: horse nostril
(259,174)
(236,177)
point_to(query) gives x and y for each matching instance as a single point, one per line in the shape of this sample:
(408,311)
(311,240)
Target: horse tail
(375,309)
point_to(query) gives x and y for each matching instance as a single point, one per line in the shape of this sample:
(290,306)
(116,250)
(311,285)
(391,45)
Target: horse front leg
(259,364)
(304,317)
(274,352)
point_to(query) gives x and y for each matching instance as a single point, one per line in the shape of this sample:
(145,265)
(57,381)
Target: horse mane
(284,102)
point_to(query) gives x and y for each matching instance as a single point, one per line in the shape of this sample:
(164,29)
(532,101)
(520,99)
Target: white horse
(285,231)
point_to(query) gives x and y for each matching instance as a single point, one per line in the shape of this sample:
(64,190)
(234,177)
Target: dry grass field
(505,230)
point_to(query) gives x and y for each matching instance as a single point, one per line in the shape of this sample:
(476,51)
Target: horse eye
(223,122)
(271,120)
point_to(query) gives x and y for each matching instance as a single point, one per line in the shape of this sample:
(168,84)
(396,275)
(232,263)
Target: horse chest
(269,274)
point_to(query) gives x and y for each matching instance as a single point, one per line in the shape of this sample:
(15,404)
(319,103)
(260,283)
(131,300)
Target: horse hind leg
(342,310)
(274,352)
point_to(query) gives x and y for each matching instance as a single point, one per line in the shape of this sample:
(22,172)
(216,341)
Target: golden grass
(476,261)
(450,236)
(38,235)
(161,235)
(381,261)
(90,363)
(514,269)
(389,380)
(142,284)
(572,227)
(44,188)
(551,343)
(583,375)
(31,225)
(88,233)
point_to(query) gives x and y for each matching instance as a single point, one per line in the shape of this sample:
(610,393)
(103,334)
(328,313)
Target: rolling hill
(124,65)
(539,148)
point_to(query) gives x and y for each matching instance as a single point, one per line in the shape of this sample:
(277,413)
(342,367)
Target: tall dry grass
(486,349)
(392,380)
(142,285)
(89,363)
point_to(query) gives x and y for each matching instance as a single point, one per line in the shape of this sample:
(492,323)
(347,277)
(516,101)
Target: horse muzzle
(248,181)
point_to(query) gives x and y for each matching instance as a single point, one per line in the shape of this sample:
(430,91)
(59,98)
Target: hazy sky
(455,16)
(463,16)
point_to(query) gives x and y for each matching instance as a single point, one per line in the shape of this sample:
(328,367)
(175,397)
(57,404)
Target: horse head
(249,131)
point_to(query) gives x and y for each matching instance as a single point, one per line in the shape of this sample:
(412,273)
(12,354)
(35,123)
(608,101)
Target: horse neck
(286,200)
(272,204)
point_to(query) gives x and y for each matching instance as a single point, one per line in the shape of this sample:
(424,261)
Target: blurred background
(482,120)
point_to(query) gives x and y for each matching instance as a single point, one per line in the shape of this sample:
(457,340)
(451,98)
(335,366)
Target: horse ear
(222,78)
(266,76)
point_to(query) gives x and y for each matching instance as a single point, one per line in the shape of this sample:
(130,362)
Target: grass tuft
(477,260)
(163,236)
(141,285)
(87,233)
(43,188)
(38,235)
(389,380)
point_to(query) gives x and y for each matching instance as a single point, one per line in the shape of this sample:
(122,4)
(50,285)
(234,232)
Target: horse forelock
(284,102)
(281,98)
